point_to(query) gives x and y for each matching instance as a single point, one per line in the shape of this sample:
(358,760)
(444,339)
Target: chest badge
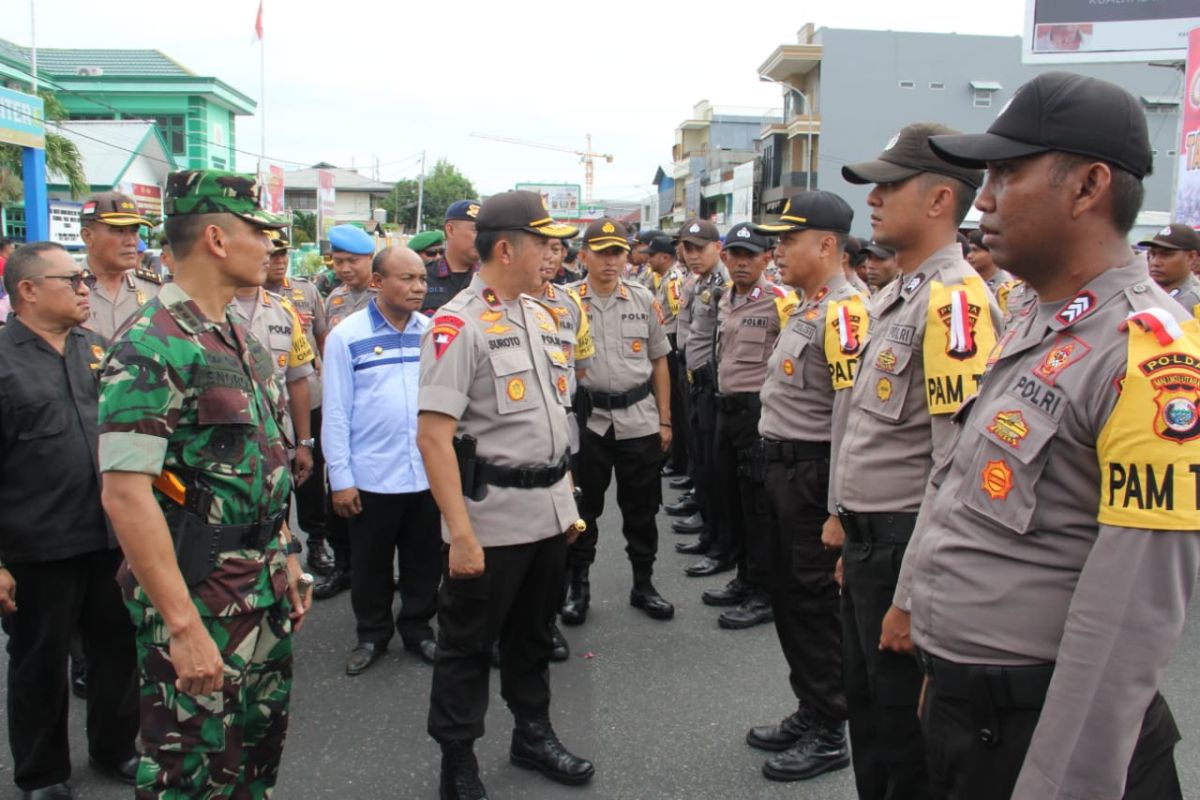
(516,390)
(1009,427)
(997,479)
(637,345)
(883,389)
(378,350)
(498,329)
(562,384)
(1066,351)
(789,367)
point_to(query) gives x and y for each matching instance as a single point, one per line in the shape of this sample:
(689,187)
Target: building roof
(345,180)
(63,62)
(107,148)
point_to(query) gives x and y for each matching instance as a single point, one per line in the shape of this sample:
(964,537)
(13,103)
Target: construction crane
(586,156)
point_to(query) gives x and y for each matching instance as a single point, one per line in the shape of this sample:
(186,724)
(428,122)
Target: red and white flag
(258,23)
(961,338)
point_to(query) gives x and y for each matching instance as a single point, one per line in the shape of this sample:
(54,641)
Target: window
(908,84)
(937,85)
(218,163)
(173,132)
(983,99)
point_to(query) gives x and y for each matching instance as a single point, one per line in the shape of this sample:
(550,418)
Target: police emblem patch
(883,389)
(562,384)
(516,390)
(1009,427)
(445,330)
(636,346)
(1067,350)
(789,368)
(996,479)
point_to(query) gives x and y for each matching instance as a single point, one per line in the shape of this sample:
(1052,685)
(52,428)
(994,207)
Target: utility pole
(421,193)
(33,48)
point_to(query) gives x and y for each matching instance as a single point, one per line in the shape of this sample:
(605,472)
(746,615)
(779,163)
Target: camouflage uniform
(182,393)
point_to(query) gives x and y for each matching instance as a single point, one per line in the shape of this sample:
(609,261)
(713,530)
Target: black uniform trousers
(703,421)
(803,592)
(963,767)
(742,514)
(679,419)
(55,598)
(310,495)
(514,602)
(637,464)
(882,687)
(407,525)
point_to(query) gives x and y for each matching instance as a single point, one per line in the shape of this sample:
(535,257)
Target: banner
(742,194)
(270,175)
(64,223)
(561,199)
(21,119)
(326,202)
(1187,193)
(147,197)
(1101,31)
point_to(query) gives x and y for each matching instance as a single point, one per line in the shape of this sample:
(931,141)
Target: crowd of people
(957,473)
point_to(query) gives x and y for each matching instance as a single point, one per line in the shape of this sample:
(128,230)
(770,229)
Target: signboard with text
(64,223)
(22,119)
(1090,31)
(326,202)
(1187,193)
(561,199)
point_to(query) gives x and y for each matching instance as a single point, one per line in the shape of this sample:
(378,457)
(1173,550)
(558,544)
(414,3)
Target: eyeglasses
(434,251)
(75,279)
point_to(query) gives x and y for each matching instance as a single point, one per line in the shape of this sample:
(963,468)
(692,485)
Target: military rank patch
(886,360)
(1009,427)
(516,390)
(337,301)
(491,316)
(1067,350)
(997,479)
(490,297)
(97,352)
(1076,308)
(445,330)
(498,329)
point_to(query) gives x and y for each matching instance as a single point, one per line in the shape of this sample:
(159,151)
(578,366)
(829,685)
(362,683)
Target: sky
(353,82)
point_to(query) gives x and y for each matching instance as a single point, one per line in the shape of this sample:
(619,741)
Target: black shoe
(123,771)
(425,649)
(363,656)
(320,560)
(496,655)
(579,597)
(693,548)
(682,507)
(536,746)
(693,524)
(731,594)
(793,729)
(669,471)
(79,679)
(57,791)
(754,610)
(646,598)
(823,751)
(332,584)
(460,773)
(708,566)
(680,483)
(561,650)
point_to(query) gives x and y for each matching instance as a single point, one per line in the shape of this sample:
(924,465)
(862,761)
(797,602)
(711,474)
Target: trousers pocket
(172,720)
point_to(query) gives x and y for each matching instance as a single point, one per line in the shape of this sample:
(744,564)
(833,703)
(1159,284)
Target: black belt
(619,400)
(877,528)
(793,451)
(224,538)
(520,477)
(701,376)
(736,402)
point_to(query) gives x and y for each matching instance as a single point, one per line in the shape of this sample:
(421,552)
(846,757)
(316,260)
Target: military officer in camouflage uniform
(1053,562)
(120,286)
(813,362)
(196,484)
(492,431)
(1173,255)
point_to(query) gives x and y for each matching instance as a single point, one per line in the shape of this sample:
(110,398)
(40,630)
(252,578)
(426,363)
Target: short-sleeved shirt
(109,312)
(628,335)
(277,326)
(310,306)
(700,308)
(443,283)
(498,368)
(931,332)
(668,291)
(814,358)
(999,278)
(573,327)
(344,301)
(183,393)
(750,323)
(1187,294)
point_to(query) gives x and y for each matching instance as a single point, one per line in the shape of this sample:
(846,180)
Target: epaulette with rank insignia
(148,275)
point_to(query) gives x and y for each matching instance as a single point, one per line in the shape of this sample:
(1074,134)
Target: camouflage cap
(211,191)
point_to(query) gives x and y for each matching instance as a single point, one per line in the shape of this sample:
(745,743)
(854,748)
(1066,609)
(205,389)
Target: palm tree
(62,158)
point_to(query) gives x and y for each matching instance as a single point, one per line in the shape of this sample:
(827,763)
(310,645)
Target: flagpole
(262,86)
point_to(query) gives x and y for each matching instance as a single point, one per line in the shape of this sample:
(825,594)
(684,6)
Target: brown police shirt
(110,311)
(749,324)
(700,312)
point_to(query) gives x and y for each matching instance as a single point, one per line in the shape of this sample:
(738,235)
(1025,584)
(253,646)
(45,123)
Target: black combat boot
(579,597)
(460,772)
(823,750)
(794,729)
(535,746)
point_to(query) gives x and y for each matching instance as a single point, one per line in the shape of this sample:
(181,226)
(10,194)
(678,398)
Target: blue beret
(463,209)
(351,239)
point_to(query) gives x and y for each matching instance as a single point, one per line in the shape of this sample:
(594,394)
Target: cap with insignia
(604,233)
(661,243)
(112,208)
(699,232)
(463,209)
(279,242)
(816,210)
(908,153)
(211,191)
(1175,236)
(746,236)
(351,239)
(426,240)
(879,251)
(520,211)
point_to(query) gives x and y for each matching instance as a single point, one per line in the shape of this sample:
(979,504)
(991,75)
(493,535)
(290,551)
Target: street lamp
(808,106)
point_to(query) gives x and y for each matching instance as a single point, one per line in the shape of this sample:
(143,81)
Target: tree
(62,158)
(304,227)
(443,186)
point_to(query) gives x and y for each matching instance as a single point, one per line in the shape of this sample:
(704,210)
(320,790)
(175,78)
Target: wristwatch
(294,547)
(309,443)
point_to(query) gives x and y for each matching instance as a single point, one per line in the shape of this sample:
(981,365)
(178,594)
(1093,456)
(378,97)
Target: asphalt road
(661,707)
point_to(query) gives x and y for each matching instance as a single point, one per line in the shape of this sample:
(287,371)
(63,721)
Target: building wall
(862,104)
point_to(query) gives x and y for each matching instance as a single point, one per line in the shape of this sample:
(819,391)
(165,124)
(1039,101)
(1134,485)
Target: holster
(468,468)
(583,406)
(752,462)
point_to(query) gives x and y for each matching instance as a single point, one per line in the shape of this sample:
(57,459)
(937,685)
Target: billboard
(21,118)
(561,199)
(326,202)
(1187,192)
(270,175)
(146,197)
(1091,31)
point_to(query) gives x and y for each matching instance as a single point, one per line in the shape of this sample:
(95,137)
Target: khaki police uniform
(1012,567)
(668,293)
(749,325)
(499,368)
(1187,294)
(621,433)
(344,301)
(109,312)
(576,337)
(930,334)
(999,278)
(276,325)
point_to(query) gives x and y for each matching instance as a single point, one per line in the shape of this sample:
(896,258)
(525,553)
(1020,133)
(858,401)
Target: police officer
(880,265)
(353,249)
(1059,549)
(196,484)
(494,387)
(1173,255)
(814,361)
(667,284)
(752,312)
(120,286)
(453,269)
(309,306)
(980,259)
(628,429)
(700,242)
(931,331)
